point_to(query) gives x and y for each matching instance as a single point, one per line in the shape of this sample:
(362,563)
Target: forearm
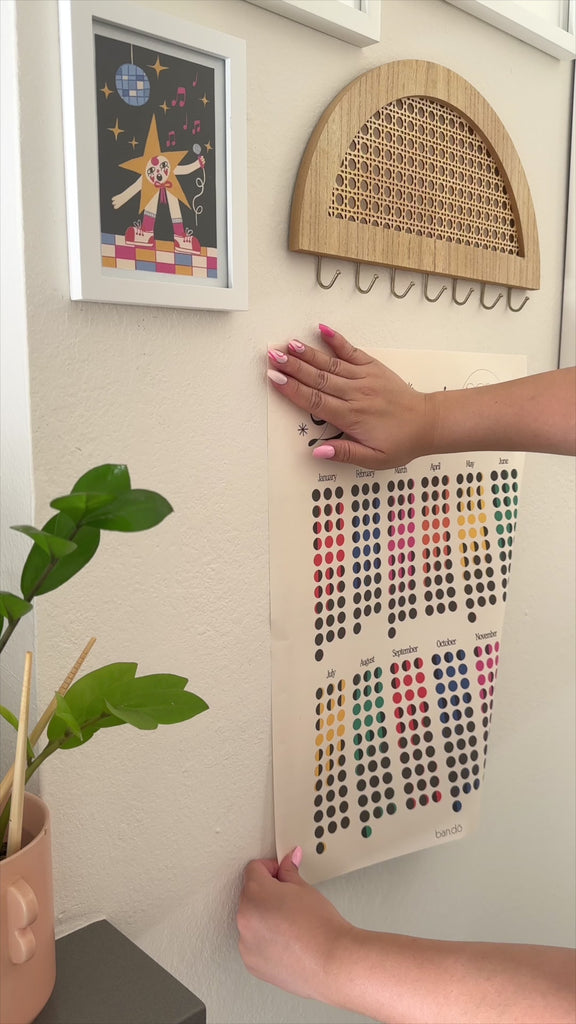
(403,980)
(535,414)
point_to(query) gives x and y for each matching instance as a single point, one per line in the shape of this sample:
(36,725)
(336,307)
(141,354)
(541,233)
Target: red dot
(413,724)
(398,713)
(317,576)
(400,727)
(340,556)
(422,691)
(317,559)
(409,694)
(423,707)
(397,697)
(318,592)
(436,796)
(408,680)
(329,557)
(340,539)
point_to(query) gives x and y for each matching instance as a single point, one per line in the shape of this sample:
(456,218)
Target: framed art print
(154,113)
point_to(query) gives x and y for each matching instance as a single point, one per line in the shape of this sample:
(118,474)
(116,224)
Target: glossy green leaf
(132,716)
(54,547)
(36,579)
(108,479)
(77,506)
(13,607)
(86,698)
(63,712)
(132,511)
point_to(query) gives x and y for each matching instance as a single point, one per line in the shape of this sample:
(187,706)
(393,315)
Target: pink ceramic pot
(27,949)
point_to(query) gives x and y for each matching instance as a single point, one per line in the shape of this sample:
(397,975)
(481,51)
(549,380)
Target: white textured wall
(152,831)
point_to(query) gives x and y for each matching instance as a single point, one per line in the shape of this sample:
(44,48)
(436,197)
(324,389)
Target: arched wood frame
(502,206)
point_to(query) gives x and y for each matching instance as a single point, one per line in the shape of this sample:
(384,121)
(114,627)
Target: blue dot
(456,806)
(448,656)
(366,534)
(444,717)
(442,702)
(356,552)
(356,583)
(376,531)
(436,659)
(367,549)
(440,688)
(450,671)
(453,686)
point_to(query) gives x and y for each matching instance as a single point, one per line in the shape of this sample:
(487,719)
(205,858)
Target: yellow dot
(462,535)
(471,519)
(481,504)
(342,684)
(318,770)
(341,730)
(461,520)
(463,562)
(472,532)
(330,734)
(340,746)
(318,755)
(320,723)
(329,765)
(480,489)
(340,716)
(319,740)
(482,517)
(320,709)
(330,704)
(330,720)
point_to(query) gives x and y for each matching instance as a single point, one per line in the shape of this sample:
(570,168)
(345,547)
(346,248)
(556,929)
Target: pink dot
(479,665)
(481,680)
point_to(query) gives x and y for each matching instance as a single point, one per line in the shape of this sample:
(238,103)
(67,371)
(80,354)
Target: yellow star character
(107,92)
(140,165)
(157,183)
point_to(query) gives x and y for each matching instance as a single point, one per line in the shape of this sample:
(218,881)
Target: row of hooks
(427,296)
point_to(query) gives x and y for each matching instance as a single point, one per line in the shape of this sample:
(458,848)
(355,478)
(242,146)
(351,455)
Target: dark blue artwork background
(110,54)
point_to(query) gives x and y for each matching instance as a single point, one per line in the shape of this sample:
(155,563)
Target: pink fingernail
(326,331)
(277,378)
(324,451)
(296,856)
(277,355)
(296,346)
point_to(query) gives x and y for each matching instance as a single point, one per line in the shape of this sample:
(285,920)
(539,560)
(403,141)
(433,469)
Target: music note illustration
(196,127)
(180,97)
(185,125)
(195,82)
(171,140)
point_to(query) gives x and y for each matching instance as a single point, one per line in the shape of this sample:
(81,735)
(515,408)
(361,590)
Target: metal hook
(517,308)
(459,302)
(485,304)
(436,297)
(318,279)
(357,281)
(399,295)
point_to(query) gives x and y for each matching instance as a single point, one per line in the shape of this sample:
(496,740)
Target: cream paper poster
(388,593)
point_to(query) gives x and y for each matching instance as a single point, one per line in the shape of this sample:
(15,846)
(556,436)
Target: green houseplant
(114,695)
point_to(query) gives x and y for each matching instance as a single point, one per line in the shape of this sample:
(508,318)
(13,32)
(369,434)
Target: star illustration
(164,106)
(107,92)
(116,131)
(208,147)
(139,164)
(157,67)
(204,100)
(133,143)
(302,429)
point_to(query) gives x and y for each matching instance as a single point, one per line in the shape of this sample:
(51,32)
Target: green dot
(378,686)
(356,709)
(378,812)
(367,676)
(381,732)
(357,694)
(391,809)
(366,831)
(378,673)
(496,502)
(368,721)
(369,735)
(357,739)
(357,757)
(367,705)
(379,702)
(380,717)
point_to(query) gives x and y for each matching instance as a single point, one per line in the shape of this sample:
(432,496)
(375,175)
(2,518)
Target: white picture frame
(530,27)
(358,24)
(199,188)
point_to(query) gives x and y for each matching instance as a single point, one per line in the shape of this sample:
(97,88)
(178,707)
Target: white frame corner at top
(88,281)
(516,21)
(359,26)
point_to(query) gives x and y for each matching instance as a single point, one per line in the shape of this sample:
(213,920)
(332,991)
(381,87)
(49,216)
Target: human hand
(289,932)
(387,422)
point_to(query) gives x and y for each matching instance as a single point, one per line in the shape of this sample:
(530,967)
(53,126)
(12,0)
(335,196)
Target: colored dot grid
(474,547)
(331,807)
(329,585)
(439,593)
(454,699)
(366,552)
(504,490)
(486,665)
(374,780)
(414,734)
(401,553)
